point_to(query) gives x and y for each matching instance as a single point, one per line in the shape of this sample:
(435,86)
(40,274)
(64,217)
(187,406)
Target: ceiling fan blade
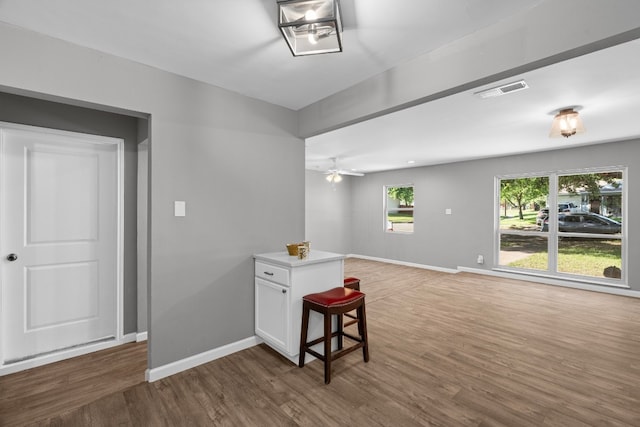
(350,173)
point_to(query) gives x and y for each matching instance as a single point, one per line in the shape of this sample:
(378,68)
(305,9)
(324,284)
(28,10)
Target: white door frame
(120,337)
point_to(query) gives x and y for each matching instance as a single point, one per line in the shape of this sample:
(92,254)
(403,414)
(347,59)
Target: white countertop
(283,258)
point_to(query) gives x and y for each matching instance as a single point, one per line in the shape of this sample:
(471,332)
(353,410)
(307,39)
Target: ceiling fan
(335,175)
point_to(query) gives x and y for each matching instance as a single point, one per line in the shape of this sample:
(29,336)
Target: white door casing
(60,213)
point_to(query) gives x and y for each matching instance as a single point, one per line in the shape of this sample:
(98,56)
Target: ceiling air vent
(503,90)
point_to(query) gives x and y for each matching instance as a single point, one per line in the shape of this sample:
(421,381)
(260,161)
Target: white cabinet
(273,304)
(280,283)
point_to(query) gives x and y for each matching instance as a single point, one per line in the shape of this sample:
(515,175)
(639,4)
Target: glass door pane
(522,251)
(590,205)
(596,257)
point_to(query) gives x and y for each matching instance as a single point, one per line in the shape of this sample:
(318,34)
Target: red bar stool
(336,301)
(351,283)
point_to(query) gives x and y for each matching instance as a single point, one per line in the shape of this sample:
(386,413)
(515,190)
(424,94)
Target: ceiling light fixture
(310,27)
(566,122)
(334,177)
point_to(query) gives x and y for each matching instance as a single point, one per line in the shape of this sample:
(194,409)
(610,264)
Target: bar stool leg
(303,333)
(327,348)
(362,329)
(351,283)
(340,321)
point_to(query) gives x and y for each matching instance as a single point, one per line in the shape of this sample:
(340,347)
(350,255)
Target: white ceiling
(606,84)
(235,44)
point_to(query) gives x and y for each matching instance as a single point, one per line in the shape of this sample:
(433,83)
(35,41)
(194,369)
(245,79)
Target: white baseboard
(555,282)
(406,264)
(128,338)
(141,336)
(172,368)
(64,354)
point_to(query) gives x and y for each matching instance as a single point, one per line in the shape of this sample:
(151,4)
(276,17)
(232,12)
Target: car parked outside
(562,207)
(542,215)
(567,207)
(585,222)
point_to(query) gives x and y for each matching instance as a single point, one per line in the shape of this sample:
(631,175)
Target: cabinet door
(273,323)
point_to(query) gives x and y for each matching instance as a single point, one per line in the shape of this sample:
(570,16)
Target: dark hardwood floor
(446,349)
(46,391)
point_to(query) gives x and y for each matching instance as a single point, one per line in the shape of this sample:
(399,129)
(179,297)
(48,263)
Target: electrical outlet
(480,259)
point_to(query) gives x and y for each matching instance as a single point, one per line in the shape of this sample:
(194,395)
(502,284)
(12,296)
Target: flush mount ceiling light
(566,122)
(310,27)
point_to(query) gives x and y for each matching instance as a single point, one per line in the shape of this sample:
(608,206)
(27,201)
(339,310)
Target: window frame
(553,234)
(385,208)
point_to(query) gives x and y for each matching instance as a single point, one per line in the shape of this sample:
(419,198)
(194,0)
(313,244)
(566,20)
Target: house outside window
(582,238)
(398,208)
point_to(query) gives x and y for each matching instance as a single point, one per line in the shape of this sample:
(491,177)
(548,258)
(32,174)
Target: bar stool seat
(352,283)
(336,301)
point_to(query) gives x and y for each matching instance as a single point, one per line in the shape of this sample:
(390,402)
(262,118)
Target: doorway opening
(131,128)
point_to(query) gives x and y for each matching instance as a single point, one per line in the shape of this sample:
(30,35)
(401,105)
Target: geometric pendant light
(310,27)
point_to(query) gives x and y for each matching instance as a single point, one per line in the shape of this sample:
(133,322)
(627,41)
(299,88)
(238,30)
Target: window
(398,207)
(522,215)
(582,238)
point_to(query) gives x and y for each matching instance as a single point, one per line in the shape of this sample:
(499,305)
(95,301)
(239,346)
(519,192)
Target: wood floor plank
(38,393)
(143,406)
(446,350)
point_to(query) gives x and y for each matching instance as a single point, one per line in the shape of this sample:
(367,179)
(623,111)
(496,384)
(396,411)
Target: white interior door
(59,239)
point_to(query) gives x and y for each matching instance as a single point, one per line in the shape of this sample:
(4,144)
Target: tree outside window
(564,224)
(399,206)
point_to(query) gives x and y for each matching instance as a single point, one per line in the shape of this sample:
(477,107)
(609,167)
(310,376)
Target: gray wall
(467,188)
(327,213)
(236,161)
(29,111)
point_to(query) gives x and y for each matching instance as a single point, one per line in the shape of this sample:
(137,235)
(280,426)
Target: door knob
(12,257)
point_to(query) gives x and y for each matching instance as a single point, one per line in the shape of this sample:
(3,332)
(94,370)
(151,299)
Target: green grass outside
(400,217)
(512,220)
(587,257)
(538,261)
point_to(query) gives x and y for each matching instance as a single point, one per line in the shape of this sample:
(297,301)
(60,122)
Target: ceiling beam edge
(533,39)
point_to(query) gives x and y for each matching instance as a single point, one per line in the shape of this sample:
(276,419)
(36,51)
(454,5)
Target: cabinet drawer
(272,273)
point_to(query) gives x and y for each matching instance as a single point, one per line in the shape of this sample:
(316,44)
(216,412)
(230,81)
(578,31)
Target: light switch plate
(447,211)
(179,208)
